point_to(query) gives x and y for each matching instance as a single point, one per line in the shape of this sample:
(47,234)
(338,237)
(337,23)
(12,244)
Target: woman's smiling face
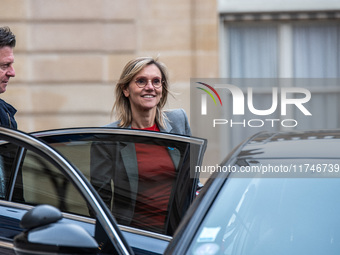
(147,97)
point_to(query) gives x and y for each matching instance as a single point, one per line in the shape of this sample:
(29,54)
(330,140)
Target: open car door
(123,165)
(31,174)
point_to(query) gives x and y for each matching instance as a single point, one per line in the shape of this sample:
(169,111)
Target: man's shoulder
(3,102)
(7,107)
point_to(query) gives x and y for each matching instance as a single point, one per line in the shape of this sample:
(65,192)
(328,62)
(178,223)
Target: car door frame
(103,215)
(201,147)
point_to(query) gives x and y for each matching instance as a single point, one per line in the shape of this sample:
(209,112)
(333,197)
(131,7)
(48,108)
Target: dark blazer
(7,113)
(118,162)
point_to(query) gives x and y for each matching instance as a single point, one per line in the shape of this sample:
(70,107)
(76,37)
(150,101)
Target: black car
(276,193)
(54,168)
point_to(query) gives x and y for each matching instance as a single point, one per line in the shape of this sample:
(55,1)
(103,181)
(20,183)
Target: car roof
(296,144)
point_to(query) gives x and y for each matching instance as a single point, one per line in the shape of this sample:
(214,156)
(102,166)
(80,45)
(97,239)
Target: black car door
(107,157)
(33,173)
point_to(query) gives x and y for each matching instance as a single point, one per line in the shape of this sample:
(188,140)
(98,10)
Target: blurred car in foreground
(277,193)
(54,168)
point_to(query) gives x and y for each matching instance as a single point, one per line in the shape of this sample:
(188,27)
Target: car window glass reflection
(293,215)
(40,182)
(144,181)
(136,181)
(8,153)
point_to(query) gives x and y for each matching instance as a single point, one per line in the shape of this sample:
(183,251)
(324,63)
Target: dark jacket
(7,113)
(118,162)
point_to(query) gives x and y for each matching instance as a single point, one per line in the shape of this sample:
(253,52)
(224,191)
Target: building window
(290,46)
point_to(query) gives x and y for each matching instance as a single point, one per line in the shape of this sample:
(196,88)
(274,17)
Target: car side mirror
(46,233)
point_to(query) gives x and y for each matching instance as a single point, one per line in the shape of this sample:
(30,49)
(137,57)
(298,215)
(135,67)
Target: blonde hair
(121,107)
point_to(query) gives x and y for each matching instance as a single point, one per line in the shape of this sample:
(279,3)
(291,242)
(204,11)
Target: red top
(156,176)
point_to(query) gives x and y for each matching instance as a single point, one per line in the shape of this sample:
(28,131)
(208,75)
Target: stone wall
(70,53)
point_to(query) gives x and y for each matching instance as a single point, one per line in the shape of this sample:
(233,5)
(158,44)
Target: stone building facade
(69,53)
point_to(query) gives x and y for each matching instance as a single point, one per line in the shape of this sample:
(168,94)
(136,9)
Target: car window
(40,182)
(36,181)
(144,180)
(8,154)
(272,216)
(32,173)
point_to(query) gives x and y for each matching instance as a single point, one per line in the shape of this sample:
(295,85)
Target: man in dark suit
(7,43)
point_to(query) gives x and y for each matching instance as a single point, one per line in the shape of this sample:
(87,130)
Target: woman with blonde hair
(142,174)
(141,94)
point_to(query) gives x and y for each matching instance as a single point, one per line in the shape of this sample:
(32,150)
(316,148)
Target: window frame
(103,217)
(200,144)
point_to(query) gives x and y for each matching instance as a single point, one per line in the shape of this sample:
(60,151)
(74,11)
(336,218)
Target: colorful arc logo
(209,93)
(204,97)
